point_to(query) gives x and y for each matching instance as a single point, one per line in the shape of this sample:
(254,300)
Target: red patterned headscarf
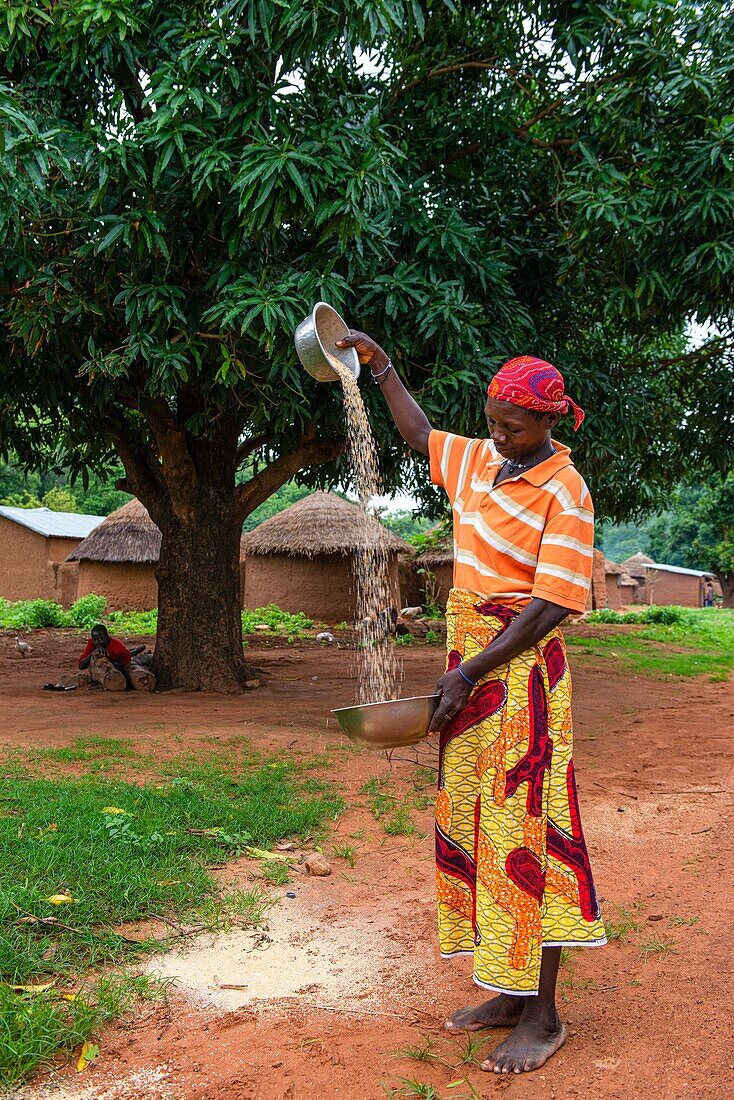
(534,384)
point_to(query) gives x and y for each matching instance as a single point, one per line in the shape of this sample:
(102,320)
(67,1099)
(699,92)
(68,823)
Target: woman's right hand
(369,351)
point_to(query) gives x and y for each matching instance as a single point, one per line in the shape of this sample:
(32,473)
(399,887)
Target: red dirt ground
(654,764)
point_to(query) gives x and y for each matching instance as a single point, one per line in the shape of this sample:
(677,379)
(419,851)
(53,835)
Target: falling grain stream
(377,670)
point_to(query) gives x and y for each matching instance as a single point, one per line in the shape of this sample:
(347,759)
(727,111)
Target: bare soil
(347,976)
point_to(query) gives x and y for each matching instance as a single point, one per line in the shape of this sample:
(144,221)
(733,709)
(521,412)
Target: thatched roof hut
(126,535)
(322,523)
(118,559)
(441,553)
(637,565)
(303,558)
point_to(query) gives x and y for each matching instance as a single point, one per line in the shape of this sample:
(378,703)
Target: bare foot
(529,1047)
(502,1011)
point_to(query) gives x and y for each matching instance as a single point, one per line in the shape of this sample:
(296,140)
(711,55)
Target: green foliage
(698,530)
(86,611)
(89,609)
(33,614)
(171,216)
(60,499)
(30,614)
(408,525)
(134,622)
(282,623)
(93,495)
(653,614)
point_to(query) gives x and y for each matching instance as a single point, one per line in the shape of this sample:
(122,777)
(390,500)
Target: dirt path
(360,979)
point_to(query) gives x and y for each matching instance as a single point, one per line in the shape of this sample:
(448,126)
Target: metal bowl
(388,724)
(319,334)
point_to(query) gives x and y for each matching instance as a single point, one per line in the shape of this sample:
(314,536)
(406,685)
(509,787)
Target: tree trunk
(199,642)
(726,580)
(188,486)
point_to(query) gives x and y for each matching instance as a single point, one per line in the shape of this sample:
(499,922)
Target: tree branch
(249,445)
(264,484)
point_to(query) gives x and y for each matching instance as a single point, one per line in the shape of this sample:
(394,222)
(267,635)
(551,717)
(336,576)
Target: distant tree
(180,182)
(698,532)
(282,498)
(406,524)
(60,499)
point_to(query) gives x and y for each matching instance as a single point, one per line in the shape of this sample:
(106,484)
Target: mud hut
(303,559)
(621,587)
(34,545)
(118,560)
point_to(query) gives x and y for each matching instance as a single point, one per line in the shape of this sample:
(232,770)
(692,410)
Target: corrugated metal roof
(61,525)
(678,569)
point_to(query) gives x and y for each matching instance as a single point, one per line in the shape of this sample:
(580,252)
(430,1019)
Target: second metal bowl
(318,335)
(388,724)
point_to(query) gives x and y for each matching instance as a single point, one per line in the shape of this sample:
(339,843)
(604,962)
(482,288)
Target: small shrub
(404,639)
(666,616)
(280,622)
(31,614)
(605,615)
(134,622)
(86,611)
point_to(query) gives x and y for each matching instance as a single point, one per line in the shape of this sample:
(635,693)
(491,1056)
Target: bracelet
(378,378)
(465,677)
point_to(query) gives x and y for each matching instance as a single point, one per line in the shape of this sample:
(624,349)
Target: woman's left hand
(454,692)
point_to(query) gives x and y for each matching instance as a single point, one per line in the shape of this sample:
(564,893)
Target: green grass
(124,852)
(90,609)
(703,644)
(621,924)
(36,1027)
(400,823)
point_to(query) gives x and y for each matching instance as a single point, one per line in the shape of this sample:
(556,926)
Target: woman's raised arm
(410,420)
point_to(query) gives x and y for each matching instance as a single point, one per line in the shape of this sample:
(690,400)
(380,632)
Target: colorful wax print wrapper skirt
(513,873)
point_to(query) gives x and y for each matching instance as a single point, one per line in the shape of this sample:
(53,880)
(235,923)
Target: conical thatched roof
(612,568)
(321,523)
(638,562)
(441,553)
(127,535)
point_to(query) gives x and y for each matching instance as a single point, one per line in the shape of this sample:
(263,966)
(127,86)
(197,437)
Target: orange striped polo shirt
(533,535)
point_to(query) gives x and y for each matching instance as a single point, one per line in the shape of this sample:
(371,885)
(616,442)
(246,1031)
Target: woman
(513,874)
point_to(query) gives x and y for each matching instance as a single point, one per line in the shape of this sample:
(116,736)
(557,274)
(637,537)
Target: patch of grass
(699,643)
(684,922)
(38,1026)
(624,922)
(347,852)
(401,823)
(111,852)
(472,1047)
(658,946)
(381,802)
(411,1087)
(275,872)
(404,640)
(423,1052)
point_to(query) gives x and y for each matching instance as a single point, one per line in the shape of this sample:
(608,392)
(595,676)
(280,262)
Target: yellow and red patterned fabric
(534,384)
(533,535)
(513,872)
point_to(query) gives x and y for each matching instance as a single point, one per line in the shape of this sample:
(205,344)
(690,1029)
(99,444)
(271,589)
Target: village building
(303,558)
(118,559)
(34,545)
(435,570)
(669,584)
(620,587)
